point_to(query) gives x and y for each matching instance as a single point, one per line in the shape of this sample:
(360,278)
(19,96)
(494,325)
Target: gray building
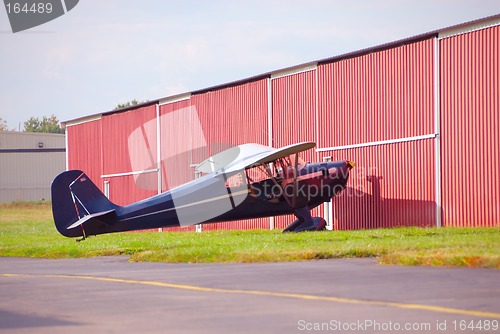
(28,164)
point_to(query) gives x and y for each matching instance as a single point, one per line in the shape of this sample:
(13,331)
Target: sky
(102,53)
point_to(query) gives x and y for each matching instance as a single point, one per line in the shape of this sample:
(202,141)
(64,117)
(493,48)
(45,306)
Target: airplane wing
(269,156)
(231,155)
(247,155)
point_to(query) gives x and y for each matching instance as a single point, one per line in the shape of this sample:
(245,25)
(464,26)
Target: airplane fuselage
(316,183)
(258,181)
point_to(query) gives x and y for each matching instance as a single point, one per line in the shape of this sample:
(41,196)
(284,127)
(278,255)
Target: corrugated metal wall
(384,95)
(232,116)
(391,185)
(378,96)
(182,140)
(84,149)
(294,118)
(294,109)
(28,164)
(470,121)
(129,145)
(31,140)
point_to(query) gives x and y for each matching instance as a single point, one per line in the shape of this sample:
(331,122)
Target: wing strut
(295,182)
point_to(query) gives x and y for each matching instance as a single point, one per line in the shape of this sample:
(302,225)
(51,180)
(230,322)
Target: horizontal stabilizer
(88,217)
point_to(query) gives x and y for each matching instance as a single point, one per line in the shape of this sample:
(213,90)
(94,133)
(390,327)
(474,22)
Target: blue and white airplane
(246,181)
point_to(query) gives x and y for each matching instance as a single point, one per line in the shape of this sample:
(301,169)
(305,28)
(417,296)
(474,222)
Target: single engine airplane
(246,181)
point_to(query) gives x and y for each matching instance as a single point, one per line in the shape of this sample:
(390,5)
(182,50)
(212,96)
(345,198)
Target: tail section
(79,206)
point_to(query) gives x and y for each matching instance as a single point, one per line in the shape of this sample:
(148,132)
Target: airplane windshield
(284,168)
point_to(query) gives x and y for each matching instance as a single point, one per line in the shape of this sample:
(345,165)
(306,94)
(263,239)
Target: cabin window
(236,180)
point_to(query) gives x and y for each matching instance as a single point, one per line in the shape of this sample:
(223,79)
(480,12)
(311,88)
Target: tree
(134,102)
(3,125)
(47,124)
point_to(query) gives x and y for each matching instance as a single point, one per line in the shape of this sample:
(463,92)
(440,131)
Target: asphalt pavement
(112,295)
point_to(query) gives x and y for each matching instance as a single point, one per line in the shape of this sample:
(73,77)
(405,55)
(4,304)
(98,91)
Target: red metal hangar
(418,116)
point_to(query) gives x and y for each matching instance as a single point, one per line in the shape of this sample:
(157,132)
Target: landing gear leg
(305,222)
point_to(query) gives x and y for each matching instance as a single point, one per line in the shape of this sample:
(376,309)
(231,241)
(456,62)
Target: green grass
(27,230)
